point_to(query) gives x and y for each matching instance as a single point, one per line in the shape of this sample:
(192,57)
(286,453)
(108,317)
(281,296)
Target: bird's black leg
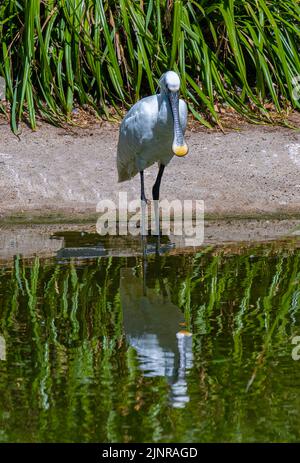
(144,264)
(156,186)
(155,196)
(143,197)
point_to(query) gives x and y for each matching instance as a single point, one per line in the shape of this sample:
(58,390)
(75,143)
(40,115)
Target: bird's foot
(147,201)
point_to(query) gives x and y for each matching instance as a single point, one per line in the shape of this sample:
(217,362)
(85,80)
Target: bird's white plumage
(147,131)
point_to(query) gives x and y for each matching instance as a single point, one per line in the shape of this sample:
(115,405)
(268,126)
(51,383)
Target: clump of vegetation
(242,54)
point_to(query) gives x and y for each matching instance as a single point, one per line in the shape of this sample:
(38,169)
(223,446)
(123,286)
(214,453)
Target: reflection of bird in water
(2,348)
(152,327)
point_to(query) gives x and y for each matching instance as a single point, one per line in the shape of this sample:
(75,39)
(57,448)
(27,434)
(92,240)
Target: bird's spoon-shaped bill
(179,147)
(180,150)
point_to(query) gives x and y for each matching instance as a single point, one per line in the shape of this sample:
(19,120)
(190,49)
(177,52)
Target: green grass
(55,54)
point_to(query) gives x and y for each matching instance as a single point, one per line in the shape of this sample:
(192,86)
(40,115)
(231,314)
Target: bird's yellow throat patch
(180,150)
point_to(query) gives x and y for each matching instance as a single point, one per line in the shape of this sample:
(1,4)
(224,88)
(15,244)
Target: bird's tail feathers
(123,175)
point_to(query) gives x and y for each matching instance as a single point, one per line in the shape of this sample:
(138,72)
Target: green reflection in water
(89,351)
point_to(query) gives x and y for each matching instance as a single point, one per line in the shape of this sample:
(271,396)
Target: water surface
(181,346)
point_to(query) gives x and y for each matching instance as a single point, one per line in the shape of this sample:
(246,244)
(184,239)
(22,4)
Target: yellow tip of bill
(180,150)
(183,333)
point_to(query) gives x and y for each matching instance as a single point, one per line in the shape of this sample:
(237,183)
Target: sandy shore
(54,173)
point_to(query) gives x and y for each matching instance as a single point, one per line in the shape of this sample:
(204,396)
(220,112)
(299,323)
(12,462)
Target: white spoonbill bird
(153,131)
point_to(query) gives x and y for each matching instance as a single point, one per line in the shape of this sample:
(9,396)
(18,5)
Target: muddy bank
(83,241)
(54,173)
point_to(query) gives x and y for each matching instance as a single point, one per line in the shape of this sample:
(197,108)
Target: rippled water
(181,346)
